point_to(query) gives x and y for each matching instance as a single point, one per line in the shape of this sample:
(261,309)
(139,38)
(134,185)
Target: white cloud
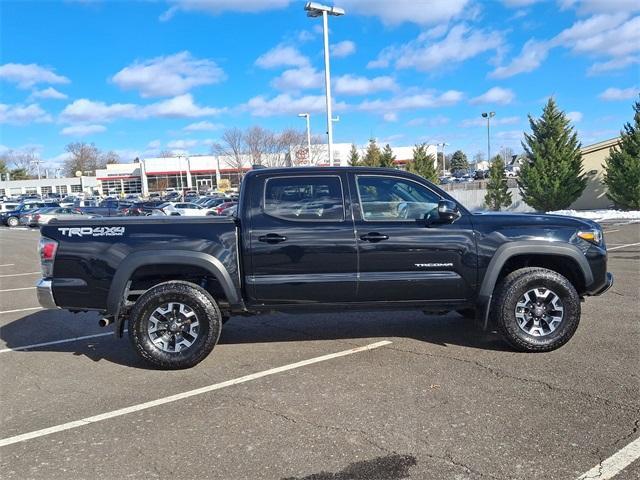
(495,95)
(461,43)
(615,94)
(168,76)
(600,6)
(355,85)
(519,3)
(412,11)
(390,117)
(412,102)
(296,79)
(531,56)
(182,106)
(48,93)
(203,126)
(23,114)
(28,75)
(182,144)
(282,56)
(614,64)
(343,49)
(575,116)
(82,130)
(482,122)
(285,104)
(216,7)
(153,144)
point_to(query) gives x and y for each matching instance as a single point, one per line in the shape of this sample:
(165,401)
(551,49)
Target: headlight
(592,236)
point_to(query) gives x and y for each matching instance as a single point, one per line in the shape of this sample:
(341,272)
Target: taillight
(47,249)
(36,217)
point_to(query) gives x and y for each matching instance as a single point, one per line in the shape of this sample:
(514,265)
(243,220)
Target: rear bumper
(44,291)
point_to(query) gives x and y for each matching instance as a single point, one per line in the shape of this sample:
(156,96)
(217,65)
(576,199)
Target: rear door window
(304,198)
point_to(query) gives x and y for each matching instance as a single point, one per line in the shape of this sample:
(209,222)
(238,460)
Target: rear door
(302,247)
(401,258)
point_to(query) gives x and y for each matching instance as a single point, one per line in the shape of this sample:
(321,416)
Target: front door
(402,258)
(302,246)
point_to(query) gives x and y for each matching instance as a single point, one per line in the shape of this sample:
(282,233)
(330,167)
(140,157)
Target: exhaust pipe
(106,321)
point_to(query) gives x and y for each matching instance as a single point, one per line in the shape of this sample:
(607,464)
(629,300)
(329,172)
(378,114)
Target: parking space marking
(617,462)
(623,246)
(610,231)
(8,265)
(181,396)
(56,342)
(17,289)
(21,274)
(21,310)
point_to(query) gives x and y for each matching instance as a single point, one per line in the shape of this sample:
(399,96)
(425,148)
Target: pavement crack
(503,375)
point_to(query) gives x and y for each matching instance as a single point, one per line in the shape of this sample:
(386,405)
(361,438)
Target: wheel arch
(135,261)
(546,253)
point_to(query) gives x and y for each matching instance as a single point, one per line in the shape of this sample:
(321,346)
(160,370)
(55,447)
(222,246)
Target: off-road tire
(507,294)
(196,298)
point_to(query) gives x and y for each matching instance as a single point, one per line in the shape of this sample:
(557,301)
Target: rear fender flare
(159,257)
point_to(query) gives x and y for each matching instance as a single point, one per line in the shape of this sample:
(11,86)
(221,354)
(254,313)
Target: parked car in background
(228,212)
(12,218)
(223,206)
(43,216)
(185,209)
(8,206)
(143,208)
(108,208)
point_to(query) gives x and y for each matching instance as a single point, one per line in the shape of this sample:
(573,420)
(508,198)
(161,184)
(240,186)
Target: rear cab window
(304,198)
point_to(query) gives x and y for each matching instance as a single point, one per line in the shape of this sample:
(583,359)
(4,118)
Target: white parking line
(623,246)
(181,396)
(20,274)
(56,342)
(21,310)
(617,462)
(16,289)
(8,265)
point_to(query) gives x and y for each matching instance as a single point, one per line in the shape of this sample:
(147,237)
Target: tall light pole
(444,157)
(488,116)
(37,163)
(307,117)
(314,10)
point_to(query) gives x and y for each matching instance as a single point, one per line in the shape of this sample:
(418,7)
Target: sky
(141,77)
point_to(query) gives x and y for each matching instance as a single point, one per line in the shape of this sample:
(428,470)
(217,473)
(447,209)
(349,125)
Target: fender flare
(533,247)
(164,257)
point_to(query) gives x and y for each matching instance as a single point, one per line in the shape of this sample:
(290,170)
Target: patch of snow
(600,215)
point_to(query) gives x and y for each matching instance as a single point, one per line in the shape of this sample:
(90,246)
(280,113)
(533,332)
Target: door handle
(374,237)
(272,238)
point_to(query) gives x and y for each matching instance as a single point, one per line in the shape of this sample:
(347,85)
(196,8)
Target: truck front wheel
(175,325)
(536,309)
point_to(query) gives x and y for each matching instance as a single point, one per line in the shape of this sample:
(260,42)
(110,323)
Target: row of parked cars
(34,212)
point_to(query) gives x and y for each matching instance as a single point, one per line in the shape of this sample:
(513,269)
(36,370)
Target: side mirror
(448,211)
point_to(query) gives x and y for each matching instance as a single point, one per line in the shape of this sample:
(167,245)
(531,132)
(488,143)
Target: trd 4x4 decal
(92,231)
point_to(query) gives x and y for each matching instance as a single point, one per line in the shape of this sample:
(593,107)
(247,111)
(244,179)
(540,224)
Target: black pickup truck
(319,239)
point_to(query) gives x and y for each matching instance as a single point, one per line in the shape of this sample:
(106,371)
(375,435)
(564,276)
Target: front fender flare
(533,247)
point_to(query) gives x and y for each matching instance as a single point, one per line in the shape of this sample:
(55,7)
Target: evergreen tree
(622,168)
(354,156)
(459,162)
(387,158)
(423,164)
(551,176)
(19,174)
(372,156)
(498,194)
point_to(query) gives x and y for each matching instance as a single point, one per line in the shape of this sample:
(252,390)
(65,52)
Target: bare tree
(23,160)
(232,146)
(166,154)
(83,157)
(507,155)
(258,142)
(108,158)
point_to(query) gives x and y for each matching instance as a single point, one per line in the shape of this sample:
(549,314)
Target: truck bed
(91,251)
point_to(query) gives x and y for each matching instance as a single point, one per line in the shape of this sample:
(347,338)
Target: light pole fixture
(314,10)
(488,116)
(307,117)
(444,159)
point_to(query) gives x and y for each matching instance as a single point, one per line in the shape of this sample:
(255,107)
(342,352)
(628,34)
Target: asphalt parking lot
(442,399)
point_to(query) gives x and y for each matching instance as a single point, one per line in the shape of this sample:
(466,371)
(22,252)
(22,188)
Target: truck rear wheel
(536,309)
(175,325)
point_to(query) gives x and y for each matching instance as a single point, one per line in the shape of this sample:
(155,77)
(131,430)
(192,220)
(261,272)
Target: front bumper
(607,285)
(44,291)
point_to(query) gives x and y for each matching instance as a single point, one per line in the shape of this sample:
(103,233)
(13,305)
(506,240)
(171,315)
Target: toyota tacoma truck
(322,239)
